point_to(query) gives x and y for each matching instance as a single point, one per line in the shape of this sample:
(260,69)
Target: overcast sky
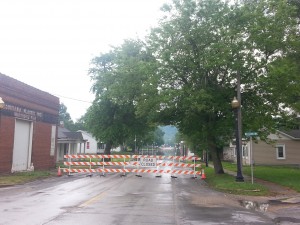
(49,44)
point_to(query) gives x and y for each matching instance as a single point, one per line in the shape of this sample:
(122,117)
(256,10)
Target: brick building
(28,127)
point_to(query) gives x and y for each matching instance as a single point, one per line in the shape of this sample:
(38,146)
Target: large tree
(202,47)
(120,80)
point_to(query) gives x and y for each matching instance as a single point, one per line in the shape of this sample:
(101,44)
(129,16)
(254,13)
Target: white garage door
(22,145)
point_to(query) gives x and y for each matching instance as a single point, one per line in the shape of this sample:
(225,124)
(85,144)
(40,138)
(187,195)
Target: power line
(74,99)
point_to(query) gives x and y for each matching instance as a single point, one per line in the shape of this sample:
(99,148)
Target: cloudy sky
(49,44)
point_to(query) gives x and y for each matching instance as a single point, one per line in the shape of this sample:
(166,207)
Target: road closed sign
(148,162)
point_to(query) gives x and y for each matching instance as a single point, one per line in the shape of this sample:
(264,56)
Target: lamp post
(237,113)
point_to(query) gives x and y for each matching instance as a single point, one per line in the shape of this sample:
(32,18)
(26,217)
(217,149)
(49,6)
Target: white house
(92,146)
(229,152)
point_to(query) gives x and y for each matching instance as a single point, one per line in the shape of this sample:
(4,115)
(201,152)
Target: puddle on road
(279,220)
(261,207)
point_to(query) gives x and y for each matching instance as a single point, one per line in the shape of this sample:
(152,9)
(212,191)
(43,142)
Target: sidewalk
(283,205)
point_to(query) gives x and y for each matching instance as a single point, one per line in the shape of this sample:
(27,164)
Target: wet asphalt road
(115,200)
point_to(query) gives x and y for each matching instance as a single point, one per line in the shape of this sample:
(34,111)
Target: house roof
(294,134)
(85,132)
(64,134)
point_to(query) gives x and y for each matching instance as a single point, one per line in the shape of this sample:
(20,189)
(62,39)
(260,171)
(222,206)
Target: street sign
(148,162)
(249,134)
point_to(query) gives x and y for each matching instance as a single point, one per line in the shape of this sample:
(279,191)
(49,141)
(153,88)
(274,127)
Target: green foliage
(65,117)
(186,74)
(68,123)
(121,82)
(202,46)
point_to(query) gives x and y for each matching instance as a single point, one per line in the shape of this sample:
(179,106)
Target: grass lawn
(283,175)
(20,178)
(226,183)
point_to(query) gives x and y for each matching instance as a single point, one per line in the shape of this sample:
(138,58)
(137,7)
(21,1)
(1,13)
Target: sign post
(250,134)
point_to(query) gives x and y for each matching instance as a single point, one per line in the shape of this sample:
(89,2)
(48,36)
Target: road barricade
(101,163)
(155,164)
(159,166)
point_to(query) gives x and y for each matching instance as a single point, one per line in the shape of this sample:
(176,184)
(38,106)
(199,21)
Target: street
(116,200)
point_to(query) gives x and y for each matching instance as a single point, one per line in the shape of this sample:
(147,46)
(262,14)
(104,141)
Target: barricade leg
(69,174)
(90,174)
(172,175)
(138,173)
(103,174)
(158,175)
(194,176)
(124,173)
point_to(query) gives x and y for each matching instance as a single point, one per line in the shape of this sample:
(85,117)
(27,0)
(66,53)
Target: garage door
(22,145)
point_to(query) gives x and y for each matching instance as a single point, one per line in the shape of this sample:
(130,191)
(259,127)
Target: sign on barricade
(148,162)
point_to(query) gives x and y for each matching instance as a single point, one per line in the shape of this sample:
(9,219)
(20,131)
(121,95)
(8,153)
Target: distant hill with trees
(169,136)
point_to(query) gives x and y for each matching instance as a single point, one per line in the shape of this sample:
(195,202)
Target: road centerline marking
(92,200)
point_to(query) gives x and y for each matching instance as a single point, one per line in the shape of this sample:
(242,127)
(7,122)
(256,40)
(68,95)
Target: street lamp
(235,104)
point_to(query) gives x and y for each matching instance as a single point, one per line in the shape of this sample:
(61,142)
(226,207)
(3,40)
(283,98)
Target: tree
(80,124)
(65,117)
(120,80)
(202,46)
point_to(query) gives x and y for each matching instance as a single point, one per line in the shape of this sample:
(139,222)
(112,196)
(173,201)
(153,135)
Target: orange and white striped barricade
(94,164)
(79,170)
(90,163)
(194,165)
(185,172)
(145,161)
(137,164)
(159,171)
(112,163)
(124,171)
(70,163)
(146,171)
(174,164)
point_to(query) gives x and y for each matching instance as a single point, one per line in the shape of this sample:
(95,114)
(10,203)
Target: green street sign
(249,134)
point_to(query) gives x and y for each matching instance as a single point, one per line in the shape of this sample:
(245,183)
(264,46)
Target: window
(280,151)
(245,150)
(87,145)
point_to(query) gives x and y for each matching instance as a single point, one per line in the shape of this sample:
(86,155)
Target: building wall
(7,125)
(41,146)
(31,104)
(90,146)
(265,154)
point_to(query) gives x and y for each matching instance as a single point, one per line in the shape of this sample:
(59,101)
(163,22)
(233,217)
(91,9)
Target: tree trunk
(215,156)
(107,150)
